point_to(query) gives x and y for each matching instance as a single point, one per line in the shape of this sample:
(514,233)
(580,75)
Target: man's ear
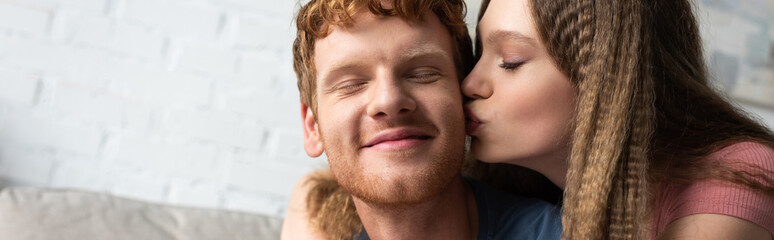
(312,142)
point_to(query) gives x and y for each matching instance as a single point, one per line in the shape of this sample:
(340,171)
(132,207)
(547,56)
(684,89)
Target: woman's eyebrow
(510,35)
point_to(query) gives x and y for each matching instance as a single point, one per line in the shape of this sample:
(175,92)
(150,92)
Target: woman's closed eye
(510,66)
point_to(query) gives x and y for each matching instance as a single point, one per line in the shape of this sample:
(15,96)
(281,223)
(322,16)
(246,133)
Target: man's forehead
(390,36)
(364,18)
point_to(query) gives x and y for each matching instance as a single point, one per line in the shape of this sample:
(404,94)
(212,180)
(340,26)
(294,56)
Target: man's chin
(395,191)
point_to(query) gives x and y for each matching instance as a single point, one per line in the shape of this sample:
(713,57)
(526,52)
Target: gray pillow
(29,213)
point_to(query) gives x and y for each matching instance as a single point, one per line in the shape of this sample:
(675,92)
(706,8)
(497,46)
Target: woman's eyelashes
(511,65)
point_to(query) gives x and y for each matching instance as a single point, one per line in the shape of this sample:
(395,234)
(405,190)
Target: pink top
(718,197)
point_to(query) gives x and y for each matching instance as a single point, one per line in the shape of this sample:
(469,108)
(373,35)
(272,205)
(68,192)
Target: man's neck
(450,215)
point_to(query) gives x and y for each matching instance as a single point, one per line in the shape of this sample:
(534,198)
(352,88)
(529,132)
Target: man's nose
(390,98)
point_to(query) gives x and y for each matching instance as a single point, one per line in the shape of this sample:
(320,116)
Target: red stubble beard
(375,186)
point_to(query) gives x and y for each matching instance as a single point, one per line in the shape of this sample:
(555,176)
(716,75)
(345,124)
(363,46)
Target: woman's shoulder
(716,195)
(747,152)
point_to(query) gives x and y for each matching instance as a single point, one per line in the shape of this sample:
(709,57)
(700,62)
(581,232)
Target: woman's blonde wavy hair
(646,112)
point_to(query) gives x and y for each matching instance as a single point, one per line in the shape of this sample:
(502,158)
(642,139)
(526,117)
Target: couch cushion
(27,213)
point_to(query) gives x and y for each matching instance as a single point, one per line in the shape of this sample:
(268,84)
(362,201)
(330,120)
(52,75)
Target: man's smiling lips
(397,139)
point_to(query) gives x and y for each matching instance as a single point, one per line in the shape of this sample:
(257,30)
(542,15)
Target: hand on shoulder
(297,222)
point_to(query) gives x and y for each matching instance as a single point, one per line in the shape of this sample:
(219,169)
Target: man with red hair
(379,86)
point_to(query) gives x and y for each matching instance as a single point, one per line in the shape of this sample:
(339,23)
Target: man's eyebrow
(422,51)
(510,35)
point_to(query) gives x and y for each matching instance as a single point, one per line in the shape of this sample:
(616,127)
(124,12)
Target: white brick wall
(25,18)
(18,87)
(176,101)
(189,102)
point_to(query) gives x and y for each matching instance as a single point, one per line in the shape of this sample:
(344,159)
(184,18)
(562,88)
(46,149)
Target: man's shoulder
(506,216)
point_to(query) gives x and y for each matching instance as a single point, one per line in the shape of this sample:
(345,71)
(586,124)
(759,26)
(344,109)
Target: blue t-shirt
(505,216)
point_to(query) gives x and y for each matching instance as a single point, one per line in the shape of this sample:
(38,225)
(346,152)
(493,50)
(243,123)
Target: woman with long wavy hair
(610,100)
